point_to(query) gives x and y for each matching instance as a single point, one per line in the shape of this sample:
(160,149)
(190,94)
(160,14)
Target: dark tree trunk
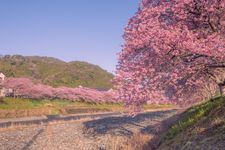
(221,87)
(221,90)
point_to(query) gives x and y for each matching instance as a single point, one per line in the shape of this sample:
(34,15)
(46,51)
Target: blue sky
(87,30)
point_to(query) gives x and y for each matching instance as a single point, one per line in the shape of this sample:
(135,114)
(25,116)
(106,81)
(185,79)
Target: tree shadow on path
(26,147)
(125,125)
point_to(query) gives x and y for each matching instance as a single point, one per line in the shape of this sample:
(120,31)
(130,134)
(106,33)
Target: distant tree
(173,50)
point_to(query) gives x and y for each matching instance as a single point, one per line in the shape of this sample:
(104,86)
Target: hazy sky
(88,30)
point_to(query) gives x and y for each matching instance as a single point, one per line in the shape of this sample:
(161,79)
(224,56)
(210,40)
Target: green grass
(11,107)
(21,103)
(12,104)
(192,116)
(24,104)
(56,105)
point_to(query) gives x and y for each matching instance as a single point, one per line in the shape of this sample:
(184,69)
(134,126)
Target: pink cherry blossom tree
(173,51)
(26,88)
(19,86)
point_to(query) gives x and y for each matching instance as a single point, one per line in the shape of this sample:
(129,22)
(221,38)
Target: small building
(2,89)
(2,92)
(7,92)
(2,77)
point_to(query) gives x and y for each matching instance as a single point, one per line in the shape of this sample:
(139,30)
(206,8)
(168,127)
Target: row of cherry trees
(26,88)
(174,50)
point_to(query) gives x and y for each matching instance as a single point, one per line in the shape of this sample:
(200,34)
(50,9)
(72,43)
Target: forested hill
(55,72)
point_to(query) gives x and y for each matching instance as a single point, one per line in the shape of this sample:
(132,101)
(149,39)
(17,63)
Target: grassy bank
(19,103)
(201,126)
(13,108)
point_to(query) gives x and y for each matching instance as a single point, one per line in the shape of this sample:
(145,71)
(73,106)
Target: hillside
(200,127)
(55,72)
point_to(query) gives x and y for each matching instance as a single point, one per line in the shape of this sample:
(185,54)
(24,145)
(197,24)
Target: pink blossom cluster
(26,88)
(174,50)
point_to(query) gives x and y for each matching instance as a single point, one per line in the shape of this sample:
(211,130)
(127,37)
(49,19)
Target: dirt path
(107,133)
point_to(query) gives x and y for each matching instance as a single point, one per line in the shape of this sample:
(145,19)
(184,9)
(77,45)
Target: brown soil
(23,113)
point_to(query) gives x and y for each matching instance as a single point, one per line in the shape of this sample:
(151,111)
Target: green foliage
(193,115)
(55,72)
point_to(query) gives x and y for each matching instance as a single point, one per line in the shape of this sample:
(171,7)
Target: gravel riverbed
(109,133)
